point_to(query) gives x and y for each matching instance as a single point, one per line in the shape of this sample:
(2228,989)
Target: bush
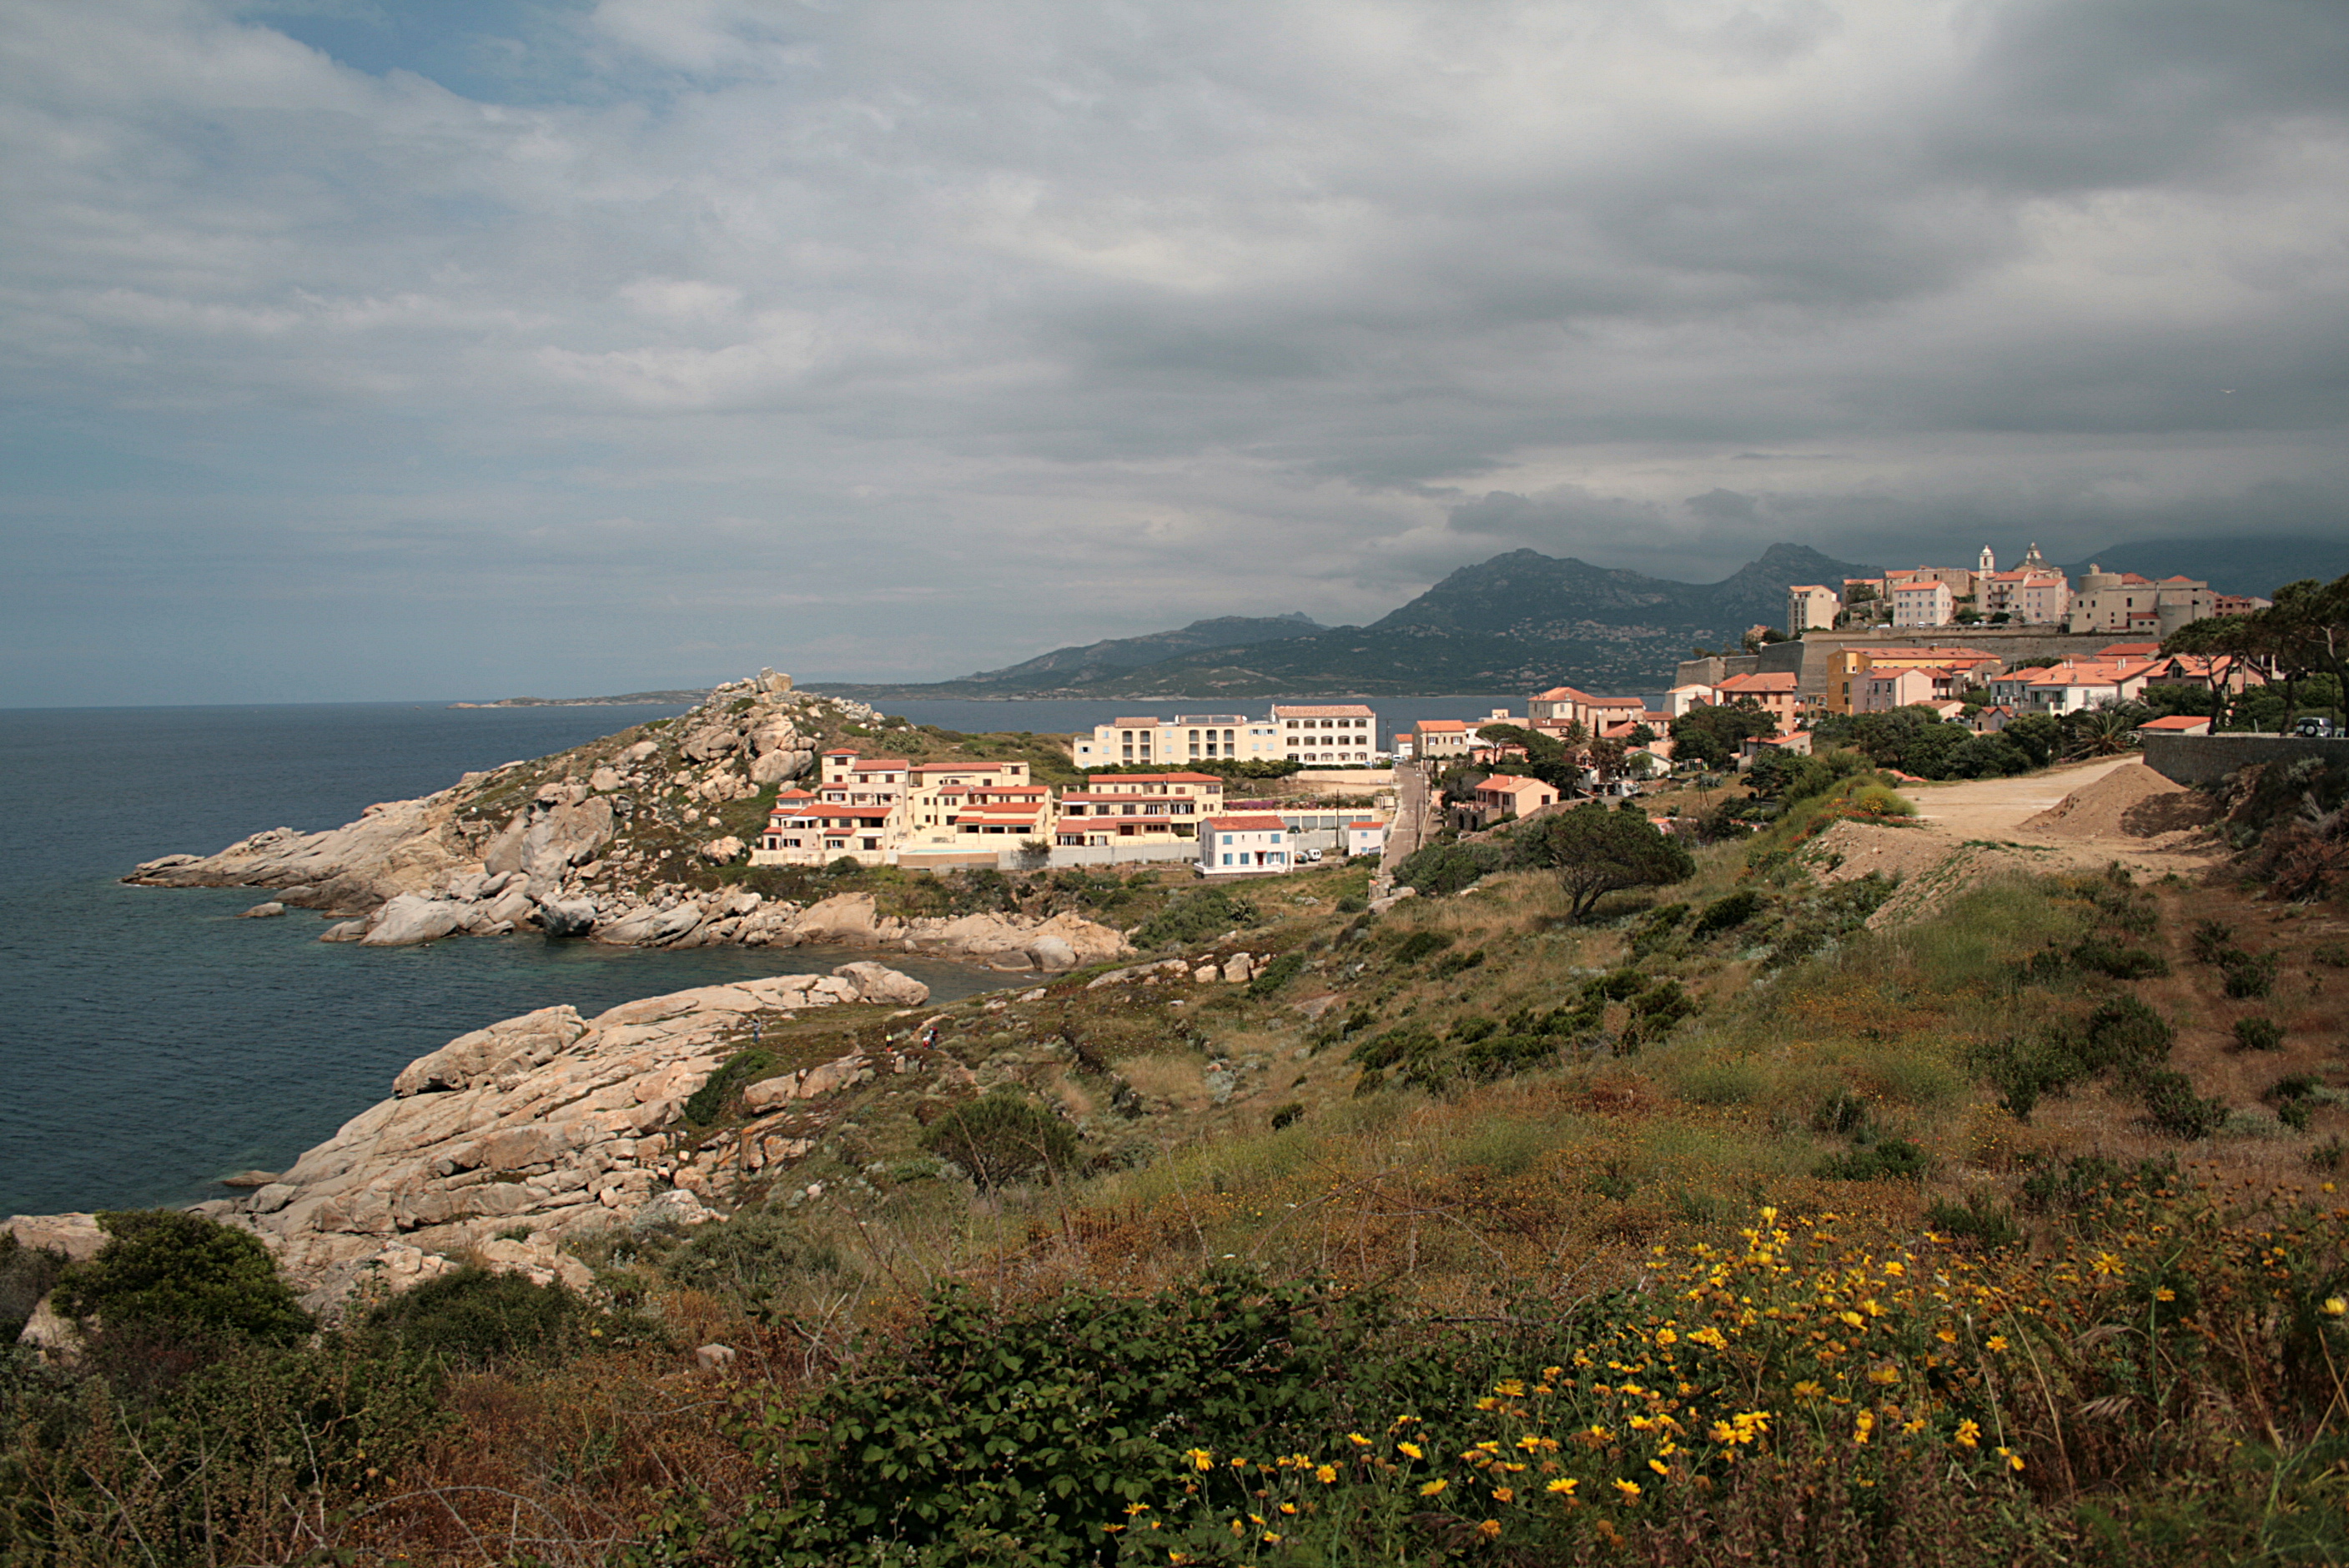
(1876,801)
(26,1274)
(2211,940)
(472,1317)
(717,1092)
(2124,1035)
(1420,943)
(1002,1137)
(1981,1220)
(2258,1033)
(1276,975)
(2100,956)
(1726,913)
(2172,1107)
(173,1272)
(1439,870)
(746,1258)
(1195,917)
(1893,1160)
(2249,976)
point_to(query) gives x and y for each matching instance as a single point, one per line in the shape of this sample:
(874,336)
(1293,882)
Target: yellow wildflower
(1660,1467)
(1490,1529)
(1433,1488)
(1358,1440)
(1563,1486)
(1414,1450)
(1628,1491)
(2014,1461)
(2334,1306)
(1967,1435)
(1505,1494)
(1325,1474)
(1996,1342)
(1200,1459)
(1862,1426)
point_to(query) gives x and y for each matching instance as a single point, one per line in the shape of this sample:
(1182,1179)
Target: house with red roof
(1244,846)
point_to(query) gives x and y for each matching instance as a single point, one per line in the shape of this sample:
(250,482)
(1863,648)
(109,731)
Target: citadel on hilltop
(2032,592)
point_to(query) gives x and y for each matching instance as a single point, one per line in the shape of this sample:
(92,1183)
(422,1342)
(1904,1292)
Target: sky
(378,349)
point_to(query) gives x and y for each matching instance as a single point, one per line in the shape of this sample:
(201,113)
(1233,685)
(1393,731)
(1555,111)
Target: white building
(1193,737)
(1923,603)
(1811,607)
(1366,837)
(1337,735)
(1240,846)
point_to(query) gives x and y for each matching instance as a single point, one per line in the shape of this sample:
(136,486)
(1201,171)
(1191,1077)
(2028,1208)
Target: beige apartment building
(1327,734)
(1811,607)
(1193,737)
(1124,807)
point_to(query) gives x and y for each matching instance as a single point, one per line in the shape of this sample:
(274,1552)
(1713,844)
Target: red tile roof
(1245,825)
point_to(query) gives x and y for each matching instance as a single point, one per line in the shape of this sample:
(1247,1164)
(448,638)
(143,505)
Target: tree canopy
(1596,851)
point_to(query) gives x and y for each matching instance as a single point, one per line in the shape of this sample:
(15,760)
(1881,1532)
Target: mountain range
(1520,619)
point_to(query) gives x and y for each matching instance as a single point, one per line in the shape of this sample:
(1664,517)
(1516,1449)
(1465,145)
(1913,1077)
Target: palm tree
(2108,729)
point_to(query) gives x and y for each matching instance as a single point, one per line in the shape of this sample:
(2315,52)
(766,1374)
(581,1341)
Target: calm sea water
(150,1042)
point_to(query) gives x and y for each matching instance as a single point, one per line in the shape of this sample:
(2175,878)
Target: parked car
(2314,729)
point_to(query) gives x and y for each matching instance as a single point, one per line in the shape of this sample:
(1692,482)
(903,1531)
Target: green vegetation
(164,1271)
(1003,1137)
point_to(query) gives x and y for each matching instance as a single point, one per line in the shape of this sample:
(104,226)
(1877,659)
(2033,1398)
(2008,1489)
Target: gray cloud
(641,341)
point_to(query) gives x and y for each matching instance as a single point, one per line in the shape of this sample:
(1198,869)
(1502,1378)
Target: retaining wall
(2195,760)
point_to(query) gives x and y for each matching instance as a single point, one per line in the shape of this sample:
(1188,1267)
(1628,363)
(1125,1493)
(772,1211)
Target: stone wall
(2195,760)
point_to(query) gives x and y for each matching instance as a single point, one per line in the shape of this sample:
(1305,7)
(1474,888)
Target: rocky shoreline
(593,844)
(511,1139)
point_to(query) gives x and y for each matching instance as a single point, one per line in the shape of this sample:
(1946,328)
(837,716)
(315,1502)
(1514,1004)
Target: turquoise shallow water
(151,1042)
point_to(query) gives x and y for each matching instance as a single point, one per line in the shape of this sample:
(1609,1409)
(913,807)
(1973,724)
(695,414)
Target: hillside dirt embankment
(615,842)
(2080,816)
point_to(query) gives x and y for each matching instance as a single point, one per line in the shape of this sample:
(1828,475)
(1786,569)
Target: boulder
(75,1236)
(604,780)
(263,910)
(714,1358)
(50,1336)
(642,751)
(1054,955)
(348,931)
(879,983)
(566,916)
(781,766)
(249,1179)
(722,852)
(710,740)
(677,1207)
(1237,969)
(411,918)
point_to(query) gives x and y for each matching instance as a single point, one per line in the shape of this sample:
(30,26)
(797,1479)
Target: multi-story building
(1925,601)
(2072,686)
(1440,739)
(1237,846)
(1811,607)
(1501,797)
(804,828)
(1192,737)
(1777,693)
(850,779)
(1562,706)
(1115,806)
(1333,735)
(2124,601)
(1845,666)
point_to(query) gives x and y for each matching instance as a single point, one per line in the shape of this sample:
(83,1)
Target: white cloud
(1040,316)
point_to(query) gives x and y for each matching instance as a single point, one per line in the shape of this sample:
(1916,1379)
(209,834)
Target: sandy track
(2000,810)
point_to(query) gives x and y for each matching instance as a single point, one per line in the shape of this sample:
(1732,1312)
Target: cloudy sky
(391,348)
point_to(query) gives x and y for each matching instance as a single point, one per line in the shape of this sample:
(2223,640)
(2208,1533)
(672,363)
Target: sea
(151,1042)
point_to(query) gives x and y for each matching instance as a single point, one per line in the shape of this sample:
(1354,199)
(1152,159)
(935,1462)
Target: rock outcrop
(512,1138)
(597,843)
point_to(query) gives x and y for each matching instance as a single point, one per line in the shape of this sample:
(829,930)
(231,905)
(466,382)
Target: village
(1237,795)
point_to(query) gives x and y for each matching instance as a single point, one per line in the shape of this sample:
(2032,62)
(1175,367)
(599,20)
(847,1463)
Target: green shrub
(1876,801)
(26,1274)
(1195,917)
(1981,1220)
(1420,943)
(1726,913)
(2100,956)
(1439,869)
(473,1317)
(2172,1107)
(177,1272)
(1657,928)
(1893,1160)
(717,1096)
(1841,1114)
(746,1258)
(1453,963)
(1276,975)
(1002,1137)
(2210,939)
(2123,1036)
(2249,976)
(2258,1033)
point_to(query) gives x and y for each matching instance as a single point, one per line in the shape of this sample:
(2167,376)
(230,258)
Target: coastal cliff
(635,839)
(511,1139)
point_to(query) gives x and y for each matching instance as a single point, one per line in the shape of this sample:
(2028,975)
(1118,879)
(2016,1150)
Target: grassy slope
(1532,1197)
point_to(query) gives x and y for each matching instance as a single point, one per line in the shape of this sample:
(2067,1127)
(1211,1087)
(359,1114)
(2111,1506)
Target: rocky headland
(511,1139)
(616,842)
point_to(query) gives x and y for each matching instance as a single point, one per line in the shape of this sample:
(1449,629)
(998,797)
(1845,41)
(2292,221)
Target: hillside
(1768,1216)
(1521,619)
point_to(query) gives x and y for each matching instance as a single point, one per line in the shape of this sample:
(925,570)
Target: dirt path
(2000,810)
